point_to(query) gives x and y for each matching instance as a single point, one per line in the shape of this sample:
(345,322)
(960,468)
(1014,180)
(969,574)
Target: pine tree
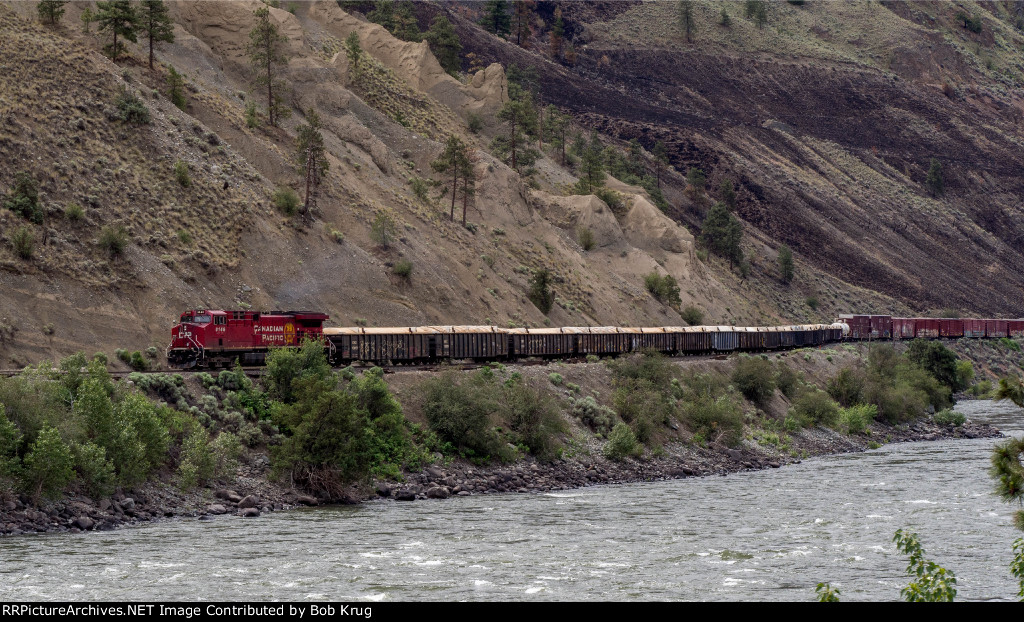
(660,160)
(724,19)
(521,117)
(156,23)
(592,164)
(88,17)
(934,181)
(785,264)
(695,179)
(454,160)
(445,45)
(120,18)
(557,35)
(556,127)
(354,53)
(496,18)
(383,13)
(757,10)
(540,291)
(312,157)
(523,14)
(50,11)
(406,26)
(176,87)
(686,23)
(468,181)
(722,233)
(728,193)
(266,54)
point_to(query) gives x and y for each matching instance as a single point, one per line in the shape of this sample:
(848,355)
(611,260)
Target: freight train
(215,338)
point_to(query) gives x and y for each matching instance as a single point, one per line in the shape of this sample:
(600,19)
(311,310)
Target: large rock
(405,495)
(249,513)
(216,508)
(438,492)
(84,523)
(307,500)
(128,506)
(228,495)
(250,501)
(383,490)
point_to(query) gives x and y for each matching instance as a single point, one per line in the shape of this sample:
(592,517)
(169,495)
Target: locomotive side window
(220,319)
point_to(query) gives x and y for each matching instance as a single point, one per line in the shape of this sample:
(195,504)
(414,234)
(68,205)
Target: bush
(815,407)
(94,469)
(585,237)
(23,198)
(598,418)
(812,302)
(24,242)
(556,379)
(939,361)
(540,293)
(131,109)
(786,379)
(176,88)
(1009,343)
(664,288)
(949,417)
(252,118)
(475,123)
(74,212)
(181,173)
(847,386)
(532,416)
(403,268)
(755,379)
(692,315)
(855,419)
(137,362)
(717,419)
(197,463)
(610,197)
(897,403)
(459,412)
(621,443)
(286,201)
(49,465)
(383,229)
(114,239)
(420,188)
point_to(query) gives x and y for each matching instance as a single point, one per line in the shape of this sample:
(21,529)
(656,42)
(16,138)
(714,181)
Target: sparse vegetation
(114,239)
(663,287)
(585,237)
(181,174)
(382,231)
(176,88)
(286,201)
(131,109)
(23,198)
(540,291)
(24,242)
(403,268)
(692,315)
(74,212)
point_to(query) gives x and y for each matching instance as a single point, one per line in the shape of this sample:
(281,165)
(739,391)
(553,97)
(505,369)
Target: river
(767,535)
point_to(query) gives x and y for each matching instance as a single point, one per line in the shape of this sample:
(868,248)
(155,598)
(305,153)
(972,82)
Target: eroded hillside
(826,119)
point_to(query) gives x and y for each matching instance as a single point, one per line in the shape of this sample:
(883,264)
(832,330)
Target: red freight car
(881,327)
(208,338)
(974,328)
(1015,328)
(904,328)
(951,328)
(994,329)
(927,328)
(860,326)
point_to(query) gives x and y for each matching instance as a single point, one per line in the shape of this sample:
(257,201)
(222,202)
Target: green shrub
(611,198)
(198,464)
(114,239)
(459,413)
(949,417)
(94,469)
(23,198)
(49,465)
(982,389)
(939,361)
(10,445)
(475,123)
(130,108)
(593,358)
(532,417)
(420,188)
(540,293)
(152,352)
(403,268)
(24,242)
(1009,343)
(585,237)
(252,118)
(176,88)
(692,315)
(786,379)
(812,302)
(855,419)
(847,386)
(897,403)
(621,443)
(74,212)
(288,369)
(181,173)
(598,418)
(286,201)
(815,407)
(664,288)
(755,379)
(383,229)
(715,419)
(556,379)
(137,362)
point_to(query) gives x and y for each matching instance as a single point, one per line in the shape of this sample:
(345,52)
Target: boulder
(438,492)
(405,495)
(10,506)
(228,495)
(307,500)
(84,523)
(250,501)
(249,513)
(217,508)
(105,505)
(383,490)
(128,505)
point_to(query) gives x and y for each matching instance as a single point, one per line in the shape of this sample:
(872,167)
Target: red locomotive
(209,338)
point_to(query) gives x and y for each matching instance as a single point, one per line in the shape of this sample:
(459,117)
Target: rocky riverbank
(253,493)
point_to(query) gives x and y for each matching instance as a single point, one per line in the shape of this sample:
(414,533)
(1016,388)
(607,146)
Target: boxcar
(1015,328)
(751,338)
(927,328)
(860,326)
(951,328)
(656,338)
(542,342)
(994,329)
(904,328)
(471,342)
(974,328)
(382,344)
